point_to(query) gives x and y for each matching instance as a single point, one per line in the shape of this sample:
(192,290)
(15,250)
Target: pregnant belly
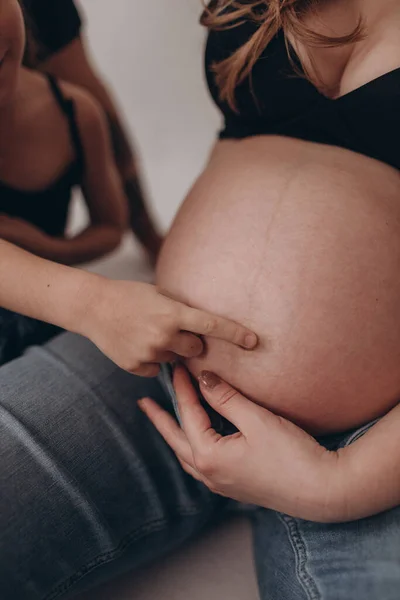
(300,242)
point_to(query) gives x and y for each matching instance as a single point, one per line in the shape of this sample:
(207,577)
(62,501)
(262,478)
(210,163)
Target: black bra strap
(68,108)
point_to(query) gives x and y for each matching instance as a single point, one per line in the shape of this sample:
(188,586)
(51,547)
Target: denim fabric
(302,560)
(88,490)
(17,333)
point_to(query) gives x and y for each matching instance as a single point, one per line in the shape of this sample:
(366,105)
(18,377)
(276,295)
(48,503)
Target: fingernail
(209,380)
(250,341)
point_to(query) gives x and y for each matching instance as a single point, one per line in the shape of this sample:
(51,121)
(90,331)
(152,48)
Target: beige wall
(151,52)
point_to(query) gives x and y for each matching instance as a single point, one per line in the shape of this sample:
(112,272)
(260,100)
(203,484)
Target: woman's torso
(44,160)
(301,241)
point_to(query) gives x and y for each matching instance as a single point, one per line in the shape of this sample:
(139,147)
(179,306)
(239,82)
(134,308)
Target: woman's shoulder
(35,93)
(45,96)
(88,113)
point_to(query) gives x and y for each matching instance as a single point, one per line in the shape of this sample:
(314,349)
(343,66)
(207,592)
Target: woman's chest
(35,153)
(364,78)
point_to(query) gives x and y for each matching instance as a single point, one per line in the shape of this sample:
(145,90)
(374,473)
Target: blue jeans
(88,490)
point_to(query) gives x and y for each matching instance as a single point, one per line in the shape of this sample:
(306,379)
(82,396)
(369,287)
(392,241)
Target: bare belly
(300,242)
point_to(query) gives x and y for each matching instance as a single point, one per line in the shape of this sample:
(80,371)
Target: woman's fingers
(174,436)
(194,417)
(228,402)
(203,323)
(221,396)
(170,430)
(195,421)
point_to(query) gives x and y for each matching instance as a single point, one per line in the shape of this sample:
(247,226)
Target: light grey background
(151,52)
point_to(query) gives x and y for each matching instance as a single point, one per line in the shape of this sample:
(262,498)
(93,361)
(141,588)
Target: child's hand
(138,327)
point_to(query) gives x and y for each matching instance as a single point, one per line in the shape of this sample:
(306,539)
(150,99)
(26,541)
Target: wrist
(102,298)
(87,293)
(331,490)
(318,493)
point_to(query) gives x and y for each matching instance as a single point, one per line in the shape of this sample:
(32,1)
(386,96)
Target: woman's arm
(369,471)
(73,64)
(272,463)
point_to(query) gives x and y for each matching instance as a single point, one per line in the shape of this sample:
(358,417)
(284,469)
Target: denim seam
(360,432)
(105,557)
(102,558)
(300,550)
(69,482)
(89,389)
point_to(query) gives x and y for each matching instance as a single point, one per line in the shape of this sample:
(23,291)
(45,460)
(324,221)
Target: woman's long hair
(270,16)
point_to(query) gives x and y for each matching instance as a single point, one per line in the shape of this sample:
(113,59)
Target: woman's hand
(138,327)
(270,462)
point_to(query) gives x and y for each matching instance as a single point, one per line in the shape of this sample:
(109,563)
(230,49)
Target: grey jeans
(88,490)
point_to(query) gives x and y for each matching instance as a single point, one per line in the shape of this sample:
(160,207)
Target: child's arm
(132,323)
(44,290)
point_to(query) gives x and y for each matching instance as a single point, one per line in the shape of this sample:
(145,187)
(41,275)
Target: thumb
(228,402)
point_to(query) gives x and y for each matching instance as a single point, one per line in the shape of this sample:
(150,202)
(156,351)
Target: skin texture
(302,243)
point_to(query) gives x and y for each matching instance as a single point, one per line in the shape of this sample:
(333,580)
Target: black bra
(48,209)
(366,120)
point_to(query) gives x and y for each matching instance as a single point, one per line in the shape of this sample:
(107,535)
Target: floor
(215,567)
(151,55)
